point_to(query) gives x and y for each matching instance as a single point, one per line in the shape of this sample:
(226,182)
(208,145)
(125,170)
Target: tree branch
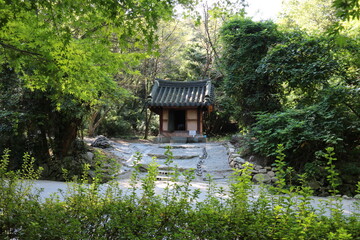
(5,45)
(93,30)
(352,109)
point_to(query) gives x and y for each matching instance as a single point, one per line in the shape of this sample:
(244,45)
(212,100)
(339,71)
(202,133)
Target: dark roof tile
(178,94)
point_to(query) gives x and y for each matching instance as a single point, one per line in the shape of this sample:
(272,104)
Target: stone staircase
(166,175)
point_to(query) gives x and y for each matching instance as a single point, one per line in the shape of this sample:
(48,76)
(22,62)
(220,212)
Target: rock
(253,172)
(262,170)
(89,156)
(237,165)
(231,150)
(357,196)
(257,167)
(232,164)
(315,185)
(261,178)
(274,179)
(101,142)
(239,160)
(346,197)
(271,174)
(324,194)
(143,168)
(268,168)
(235,155)
(273,169)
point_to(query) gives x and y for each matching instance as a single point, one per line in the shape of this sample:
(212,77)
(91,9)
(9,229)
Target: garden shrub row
(88,211)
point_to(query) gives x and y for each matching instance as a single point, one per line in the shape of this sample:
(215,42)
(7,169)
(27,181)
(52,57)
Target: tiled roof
(181,94)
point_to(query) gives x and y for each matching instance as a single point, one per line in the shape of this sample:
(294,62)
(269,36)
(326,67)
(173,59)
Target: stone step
(163,156)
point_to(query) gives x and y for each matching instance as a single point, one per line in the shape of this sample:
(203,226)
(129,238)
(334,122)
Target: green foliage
(27,169)
(66,58)
(245,44)
(347,9)
(304,64)
(320,108)
(76,47)
(280,165)
(306,130)
(115,125)
(312,16)
(93,211)
(297,87)
(332,176)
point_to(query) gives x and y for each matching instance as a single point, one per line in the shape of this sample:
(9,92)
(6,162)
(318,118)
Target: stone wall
(259,174)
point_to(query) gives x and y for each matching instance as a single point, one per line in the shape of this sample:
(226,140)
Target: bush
(303,132)
(90,211)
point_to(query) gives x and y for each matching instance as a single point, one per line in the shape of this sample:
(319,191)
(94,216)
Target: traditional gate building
(181,106)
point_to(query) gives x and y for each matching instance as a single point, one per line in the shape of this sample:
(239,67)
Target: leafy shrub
(90,211)
(303,132)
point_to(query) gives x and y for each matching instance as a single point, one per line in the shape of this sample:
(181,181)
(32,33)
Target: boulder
(101,142)
(261,178)
(357,196)
(89,156)
(262,170)
(253,172)
(315,185)
(239,160)
(231,150)
(271,174)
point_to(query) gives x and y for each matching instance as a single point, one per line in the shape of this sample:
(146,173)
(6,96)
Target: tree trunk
(68,138)
(147,123)
(64,130)
(92,128)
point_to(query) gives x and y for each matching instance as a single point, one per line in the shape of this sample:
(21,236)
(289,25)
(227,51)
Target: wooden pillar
(199,121)
(161,122)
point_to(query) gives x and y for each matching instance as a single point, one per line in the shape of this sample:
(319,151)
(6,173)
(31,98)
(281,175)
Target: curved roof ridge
(171,93)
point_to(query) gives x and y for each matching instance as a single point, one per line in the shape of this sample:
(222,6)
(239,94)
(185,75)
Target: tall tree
(245,44)
(319,83)
(70,51)
(312,16)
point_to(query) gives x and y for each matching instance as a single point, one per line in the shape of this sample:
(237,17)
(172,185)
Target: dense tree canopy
(245,44)
(65,58)
(76,47)
(294,87)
